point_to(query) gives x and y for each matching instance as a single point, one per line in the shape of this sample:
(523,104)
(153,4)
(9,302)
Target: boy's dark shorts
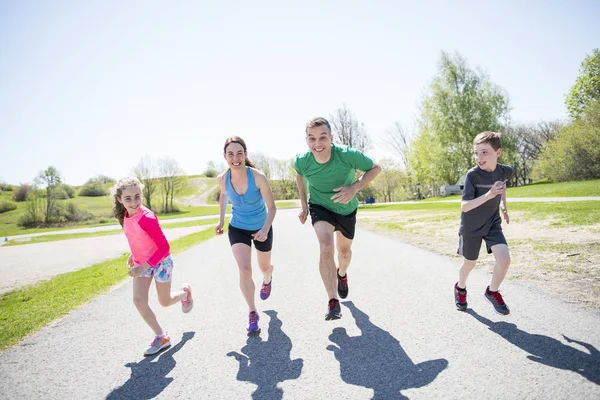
(346,224)
(469,246)
(237,235)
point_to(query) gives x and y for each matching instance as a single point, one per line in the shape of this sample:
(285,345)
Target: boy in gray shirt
(484,191)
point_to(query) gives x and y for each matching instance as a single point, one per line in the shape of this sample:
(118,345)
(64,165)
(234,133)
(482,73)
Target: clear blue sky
(92,86)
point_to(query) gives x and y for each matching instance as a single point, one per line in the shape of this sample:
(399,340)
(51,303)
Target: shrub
(72,213)
(69,190)
(101,179)
(6,206)
(22,192)
(60,193)
(93,190)
(5,187)
(210,173)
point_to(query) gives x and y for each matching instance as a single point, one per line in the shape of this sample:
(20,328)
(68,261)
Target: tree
(391,180)
(460,104)
(398,141)
(575,152)
(145,171)
(587,85)
(529,141)
(348,130)
(262,162)
(50,179)
(172,181)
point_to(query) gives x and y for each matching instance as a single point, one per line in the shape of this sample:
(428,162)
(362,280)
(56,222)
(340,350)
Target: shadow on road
(148,379)
(549,351)
(267,363)
(376,360)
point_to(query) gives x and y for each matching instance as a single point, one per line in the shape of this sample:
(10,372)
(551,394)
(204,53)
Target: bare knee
(140,301)
(503,262)
(469,264)
(327,249)
(245,272)
(345,253)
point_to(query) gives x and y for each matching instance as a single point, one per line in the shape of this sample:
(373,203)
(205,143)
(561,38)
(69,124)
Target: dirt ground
(564,261)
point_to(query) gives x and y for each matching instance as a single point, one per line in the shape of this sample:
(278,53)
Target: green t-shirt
(338,171)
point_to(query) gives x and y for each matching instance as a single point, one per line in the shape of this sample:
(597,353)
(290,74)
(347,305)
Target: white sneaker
(159,343)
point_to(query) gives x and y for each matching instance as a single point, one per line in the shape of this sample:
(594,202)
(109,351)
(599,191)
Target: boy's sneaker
(188,302)
(335,311)
(253,327)
(265,290)
(159,343)
(460,297)
(497,301)
(342,286)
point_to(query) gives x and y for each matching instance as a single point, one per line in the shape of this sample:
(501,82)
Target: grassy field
(116,231)
(27,309)
(572,213)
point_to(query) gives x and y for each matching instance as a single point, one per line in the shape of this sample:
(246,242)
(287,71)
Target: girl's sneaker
(160,342)
(253,327)
(265,290)
(188,302)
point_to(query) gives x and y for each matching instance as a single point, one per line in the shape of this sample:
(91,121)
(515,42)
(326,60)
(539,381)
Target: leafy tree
(348,130)
(51,180)
(460,104)
(173,180)
(575,152)
(587,85)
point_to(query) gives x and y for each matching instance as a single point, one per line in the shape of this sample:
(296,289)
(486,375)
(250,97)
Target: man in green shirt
(329,170)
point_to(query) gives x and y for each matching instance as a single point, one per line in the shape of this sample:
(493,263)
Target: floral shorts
(161,272)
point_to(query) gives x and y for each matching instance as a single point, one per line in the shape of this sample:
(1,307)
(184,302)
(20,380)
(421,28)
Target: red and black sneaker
(497,301)
(342,286)
(335,311)
(460,298)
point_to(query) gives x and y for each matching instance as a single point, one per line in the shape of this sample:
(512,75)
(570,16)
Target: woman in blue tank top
(253,210)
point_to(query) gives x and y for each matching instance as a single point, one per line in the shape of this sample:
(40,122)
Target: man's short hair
(493,138)
(318,121)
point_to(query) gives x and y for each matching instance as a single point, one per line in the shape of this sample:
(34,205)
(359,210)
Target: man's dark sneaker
(342,286)
(460,298)
(335,311)
(497,301)
(253,327)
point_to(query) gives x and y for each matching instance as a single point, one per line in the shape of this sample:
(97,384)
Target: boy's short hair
(493,138)
(317,121)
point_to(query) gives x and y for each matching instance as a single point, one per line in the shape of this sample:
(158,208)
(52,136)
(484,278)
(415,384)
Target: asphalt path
(400,335)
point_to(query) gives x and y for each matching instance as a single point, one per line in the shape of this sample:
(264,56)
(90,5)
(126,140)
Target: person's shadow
(267,363)
(547,350)
(376,360)
(148,379)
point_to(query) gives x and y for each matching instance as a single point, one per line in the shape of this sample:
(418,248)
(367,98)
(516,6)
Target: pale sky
(92,86)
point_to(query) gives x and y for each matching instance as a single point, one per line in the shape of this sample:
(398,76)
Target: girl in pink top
(150,258)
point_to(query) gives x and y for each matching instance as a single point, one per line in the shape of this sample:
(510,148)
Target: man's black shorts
(469,246)
(346,224)
(237,235)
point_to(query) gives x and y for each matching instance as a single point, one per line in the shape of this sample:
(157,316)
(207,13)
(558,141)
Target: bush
(6,206)
(101,179)
(93,190)
(72,213)
(69,190)
(210,173)
(22,192)
(5,187)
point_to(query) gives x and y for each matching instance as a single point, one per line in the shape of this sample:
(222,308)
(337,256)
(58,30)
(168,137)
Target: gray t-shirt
(480,220)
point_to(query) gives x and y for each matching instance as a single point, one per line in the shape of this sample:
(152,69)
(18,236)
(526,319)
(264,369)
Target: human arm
(222,204)
(345,194)
(267,194)
(303,201)
(498,188)
(503,208)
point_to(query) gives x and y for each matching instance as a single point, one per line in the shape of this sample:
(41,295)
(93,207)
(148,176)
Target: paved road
(30,263)
(399,337)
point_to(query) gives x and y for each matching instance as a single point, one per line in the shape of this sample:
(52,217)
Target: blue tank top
(248,211)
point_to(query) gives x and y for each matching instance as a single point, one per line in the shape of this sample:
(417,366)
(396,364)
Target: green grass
(117,230)
(29,308)
(572,213)
(562,189)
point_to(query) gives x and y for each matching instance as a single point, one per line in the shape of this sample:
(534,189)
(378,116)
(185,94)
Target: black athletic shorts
(469,246)
(237,235)
(346,224)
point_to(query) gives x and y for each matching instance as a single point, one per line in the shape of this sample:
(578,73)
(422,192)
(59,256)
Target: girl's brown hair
(117,192)
(240,141)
